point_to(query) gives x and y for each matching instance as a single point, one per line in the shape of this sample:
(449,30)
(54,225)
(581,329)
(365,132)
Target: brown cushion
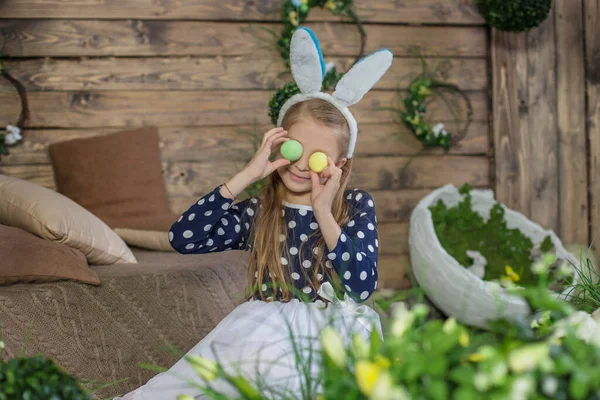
(52,216)
(27,258)
(145,239)
(117,177)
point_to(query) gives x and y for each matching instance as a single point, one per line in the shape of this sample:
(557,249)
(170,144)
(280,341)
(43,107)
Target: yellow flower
(424,91)
(184,397)
(333,346)
(449,325)
(204,367)
(382,362)
(476,357)
(511,274)
(414,120)
(304,2)
(464,339)
(367,374)
(293,17)
(330,4)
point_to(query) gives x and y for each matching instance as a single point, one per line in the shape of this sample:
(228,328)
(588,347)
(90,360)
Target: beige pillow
(150,240)
(52,216)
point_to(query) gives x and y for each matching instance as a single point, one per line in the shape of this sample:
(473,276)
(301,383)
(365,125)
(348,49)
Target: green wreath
(294,13)
(420,90)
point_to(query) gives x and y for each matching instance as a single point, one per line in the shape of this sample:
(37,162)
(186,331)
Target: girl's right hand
(260,166)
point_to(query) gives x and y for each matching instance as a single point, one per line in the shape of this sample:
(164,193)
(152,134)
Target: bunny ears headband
(308,70)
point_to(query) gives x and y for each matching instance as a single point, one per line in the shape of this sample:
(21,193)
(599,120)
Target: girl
(305,232)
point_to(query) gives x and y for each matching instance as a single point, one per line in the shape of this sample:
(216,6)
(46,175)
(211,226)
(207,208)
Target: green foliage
(421,89)
(460,228)
(514,15)
(431,359)
(37,378)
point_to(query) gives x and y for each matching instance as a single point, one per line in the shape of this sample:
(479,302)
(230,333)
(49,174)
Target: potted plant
(494,247)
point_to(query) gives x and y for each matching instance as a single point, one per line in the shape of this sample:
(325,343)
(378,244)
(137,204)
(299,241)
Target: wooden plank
(406,11)
(190,108)
(543,129)
(393,272)
(201,73)
(512,147)
(233,143)
(27,38)
(592,61)
(572,160)
(194,178)
(393,238)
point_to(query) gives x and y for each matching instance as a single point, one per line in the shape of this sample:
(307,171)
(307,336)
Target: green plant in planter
(33,378)
(460,228)
(514,15)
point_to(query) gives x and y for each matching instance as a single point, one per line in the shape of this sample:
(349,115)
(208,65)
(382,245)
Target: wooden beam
(572,156)
(407,11)
(234,143)
(393,272)
(542,131)
(210,73)
(105,109)
(195,178)
(78,38)
(510,111)
(592,66)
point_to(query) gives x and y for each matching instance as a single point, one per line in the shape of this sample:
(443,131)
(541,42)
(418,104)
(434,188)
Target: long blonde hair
(269,223)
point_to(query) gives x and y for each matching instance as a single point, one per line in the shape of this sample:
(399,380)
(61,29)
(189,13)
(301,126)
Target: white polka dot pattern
(213,224)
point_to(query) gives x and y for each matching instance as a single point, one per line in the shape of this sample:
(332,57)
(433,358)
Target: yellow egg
(317,162)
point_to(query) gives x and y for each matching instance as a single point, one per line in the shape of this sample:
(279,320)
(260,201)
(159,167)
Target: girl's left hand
(322,195)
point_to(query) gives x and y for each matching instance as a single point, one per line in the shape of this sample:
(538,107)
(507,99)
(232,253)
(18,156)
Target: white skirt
(255,341)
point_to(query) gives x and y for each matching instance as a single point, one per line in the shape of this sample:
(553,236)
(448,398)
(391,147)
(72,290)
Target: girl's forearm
(329,229)
(236,185)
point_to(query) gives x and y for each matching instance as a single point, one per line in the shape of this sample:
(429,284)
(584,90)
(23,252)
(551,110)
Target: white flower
(1,345)
(205,368)
(333,346)
(586,328)
(522,388)
(13,135)
(359,347)
(481,382)
(549,385)
(449,325)
(529,357)
(385,389)
(402,319)
(439,129)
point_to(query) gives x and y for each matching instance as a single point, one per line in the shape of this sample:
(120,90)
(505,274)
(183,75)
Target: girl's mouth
(296,177)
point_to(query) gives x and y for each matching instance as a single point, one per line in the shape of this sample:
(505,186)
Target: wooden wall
(202,70)
(546,129)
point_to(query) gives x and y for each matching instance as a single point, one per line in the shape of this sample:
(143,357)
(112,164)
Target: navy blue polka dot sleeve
(213,224)
(355,254)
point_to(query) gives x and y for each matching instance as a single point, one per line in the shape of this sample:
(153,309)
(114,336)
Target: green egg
(291,150)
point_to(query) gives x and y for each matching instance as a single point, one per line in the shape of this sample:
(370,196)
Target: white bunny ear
(362,77)
(306,60)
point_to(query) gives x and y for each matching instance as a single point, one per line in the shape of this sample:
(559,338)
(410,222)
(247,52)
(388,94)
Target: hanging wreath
(421,89)
(294,13)
(13,132)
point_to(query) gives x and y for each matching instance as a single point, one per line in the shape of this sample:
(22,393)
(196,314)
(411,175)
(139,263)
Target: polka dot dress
(214,224)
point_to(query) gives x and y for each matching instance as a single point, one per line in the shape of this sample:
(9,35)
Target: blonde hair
(269,223)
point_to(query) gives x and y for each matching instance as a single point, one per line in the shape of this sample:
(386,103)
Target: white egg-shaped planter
(449,285)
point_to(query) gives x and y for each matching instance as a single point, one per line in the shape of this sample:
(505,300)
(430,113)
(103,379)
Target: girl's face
(314,137)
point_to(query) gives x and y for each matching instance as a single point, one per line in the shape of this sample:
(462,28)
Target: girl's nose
(302,162)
